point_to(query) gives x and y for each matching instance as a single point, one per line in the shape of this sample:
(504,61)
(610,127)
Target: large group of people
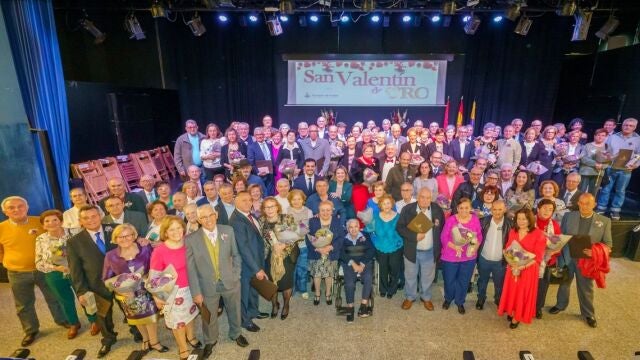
(304,208)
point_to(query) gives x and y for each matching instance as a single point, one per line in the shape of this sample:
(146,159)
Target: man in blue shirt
(187,149)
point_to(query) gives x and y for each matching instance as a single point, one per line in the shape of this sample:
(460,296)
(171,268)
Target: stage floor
(315,332)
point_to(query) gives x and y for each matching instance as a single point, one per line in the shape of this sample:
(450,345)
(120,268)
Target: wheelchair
(339,283)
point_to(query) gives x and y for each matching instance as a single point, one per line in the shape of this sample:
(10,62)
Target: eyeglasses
(492,178)
(128,236)
(206,217)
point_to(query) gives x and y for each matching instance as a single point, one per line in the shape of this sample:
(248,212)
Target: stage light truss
(568,8)
(472,25)
(158,10)
(581,28)
(196,26)
(449,8)
(99,36)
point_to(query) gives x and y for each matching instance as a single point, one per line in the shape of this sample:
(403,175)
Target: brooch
(108,229)
(224,237)
(436,222)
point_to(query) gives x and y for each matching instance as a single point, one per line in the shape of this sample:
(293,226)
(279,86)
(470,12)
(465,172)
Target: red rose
(179,301)
(193,309)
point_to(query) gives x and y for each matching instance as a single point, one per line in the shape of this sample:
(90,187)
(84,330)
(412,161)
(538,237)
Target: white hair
(12,198)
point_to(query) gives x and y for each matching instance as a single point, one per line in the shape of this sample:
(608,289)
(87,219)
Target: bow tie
(390,161)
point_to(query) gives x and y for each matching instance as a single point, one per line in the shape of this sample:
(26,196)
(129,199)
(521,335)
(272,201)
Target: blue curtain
(31,31)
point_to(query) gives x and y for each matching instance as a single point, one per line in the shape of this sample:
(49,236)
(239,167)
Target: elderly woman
(357,261)
(547,225)
(323,261)
(291,151)
(191,216)
(519,292)
(210,152)
(191,189)
(483,203)
(52,261)
(388,244)
(380,145)
(239,184)
(281,257)
(458,260)
(181,309)
(157,211)
(591,170)
(301,214)
(531,148)
(450,180)
(520,194)
(138,306)
(255,191)
(230,147)
(284,130)
(550,190)
(424,179)
(340,188)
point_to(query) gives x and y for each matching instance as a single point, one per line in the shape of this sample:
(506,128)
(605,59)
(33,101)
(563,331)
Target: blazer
(321,150)
(224,152)
(573,200)
(600,231)
(297,154)
(588,161)
(204,201)
(300,183)
(250,244)
(347,190)
(485,222)
(137,219)
(462,159)
(395,179)
(313,203)
(337,228)
(182,151)
(143,195)
(254,153)
(86,262)
(443,185)
(410,238)
(401,140)
(509,151)
(533,156)
(200,266)
(131,202)
(464,190)
(431,148)
(420,149)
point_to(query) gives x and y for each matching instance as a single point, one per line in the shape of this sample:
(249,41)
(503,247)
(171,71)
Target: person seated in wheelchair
(356,259)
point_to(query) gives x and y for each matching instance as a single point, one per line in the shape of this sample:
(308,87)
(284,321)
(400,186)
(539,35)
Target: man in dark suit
(570,193)
(225,206)
(214,265)
(211,194)
(396,137)
(461,149)
(307,180)
(495,229)
(148,193)
(86,252)
(179,202)
(399,175)
(131,202)
(116,214)
(251,247)
(421,250)
(435,160)
(469,189)
(259,151)
(585,221)
(439,139)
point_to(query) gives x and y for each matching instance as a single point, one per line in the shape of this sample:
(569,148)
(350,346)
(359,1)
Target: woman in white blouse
(210,152)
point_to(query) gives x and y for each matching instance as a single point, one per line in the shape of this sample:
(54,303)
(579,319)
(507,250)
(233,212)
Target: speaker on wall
(621,231)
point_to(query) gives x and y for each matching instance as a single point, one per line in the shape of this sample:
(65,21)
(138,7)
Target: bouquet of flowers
(416,159)
(162,284)
(446,158)
(443,202)
(322,238)
(336,150)
(492,159)
(555,243)
(235,157)
(287,167)
(633,162)
(369,176)
(570,159)
(561,149)
(289,232)
(517,256)
(125,282)
(518,201)
(59,255)
(462,237)
(366,216)
(536,168)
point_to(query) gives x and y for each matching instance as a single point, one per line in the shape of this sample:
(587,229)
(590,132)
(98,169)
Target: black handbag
(559,275)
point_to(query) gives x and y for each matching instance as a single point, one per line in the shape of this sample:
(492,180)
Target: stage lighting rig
(610,26)
(513,11)
(472,25)
(196,26)
(88,25)
(133,27)
(369,5)
(286,7)
(158,10)
(274,26)
(568,8)
(449,8)
(581,29)
(523,26)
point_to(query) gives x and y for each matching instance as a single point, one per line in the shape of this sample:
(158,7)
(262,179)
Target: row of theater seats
(95,174)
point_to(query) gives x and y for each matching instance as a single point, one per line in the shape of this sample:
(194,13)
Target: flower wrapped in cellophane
(446,158)
(162,284)
(288,167)
(516,256)
(336,150)
(289,231)
(235,157)
(518,200)
(59,254)
(465,237)
(536,168)
(633,162)
(416,159)
(603,157)
(320,239)
(555,243)
(366,215)
(561,149)
(369,176)
(443,202)
(125,282)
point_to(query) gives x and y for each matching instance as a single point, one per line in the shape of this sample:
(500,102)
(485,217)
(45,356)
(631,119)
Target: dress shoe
(262,315)
(480,305)
(95,329)
(28,339)
(539,314)
(461,309)
(389,295)
(406,304)
(104,350)
(554,310)
(316,300)
(592,322)
(158,347)
(252,328)
(242,341)
(383,294)
(350,316)
(208,350)
(73,331)
(363,311)
(509,318)
(514,325)
(285,312)
(427,305)
(445,305)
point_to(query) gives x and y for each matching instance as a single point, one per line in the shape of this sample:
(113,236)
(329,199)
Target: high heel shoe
(184,352)
(162,349)
(145,346)
(197,345)
(285,312)
(274,310)
(329,299)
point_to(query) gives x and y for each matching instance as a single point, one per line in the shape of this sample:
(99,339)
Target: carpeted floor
(317,333)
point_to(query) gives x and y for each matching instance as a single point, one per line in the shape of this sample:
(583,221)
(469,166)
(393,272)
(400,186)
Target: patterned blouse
(51,251)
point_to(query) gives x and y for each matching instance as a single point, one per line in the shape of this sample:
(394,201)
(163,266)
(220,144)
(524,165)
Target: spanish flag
(472,117)
(460,112)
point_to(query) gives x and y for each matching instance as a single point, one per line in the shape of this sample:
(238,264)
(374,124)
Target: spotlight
(581,29)
(568,8)
(513,12)
(99,36)
(375,18)
(223,18)
(133,27)
(608,27)
(286,6)
(344,18)
(196,26)
(523,26)
(158,10)
(435,18)
(406,18)
(497,18)
(466,18)
(472,25)
(274,26)
(284,18)
(253,18)
(369,5)
(385,21)
(449,8)
(313,18)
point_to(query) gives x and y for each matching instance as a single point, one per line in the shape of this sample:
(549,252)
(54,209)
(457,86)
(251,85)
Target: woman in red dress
(519,293)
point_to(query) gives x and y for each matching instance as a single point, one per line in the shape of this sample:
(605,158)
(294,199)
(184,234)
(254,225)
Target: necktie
(253,221)
(100,243)
(265,151)
(310,185)
(567,197)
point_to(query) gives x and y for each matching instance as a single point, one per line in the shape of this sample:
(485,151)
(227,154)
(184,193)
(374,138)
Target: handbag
(559,275)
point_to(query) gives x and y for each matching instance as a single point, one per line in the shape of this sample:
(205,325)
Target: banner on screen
(366,82)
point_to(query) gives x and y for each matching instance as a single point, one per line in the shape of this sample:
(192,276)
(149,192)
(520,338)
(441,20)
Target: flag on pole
(472,117)
(460,111)
(446,115)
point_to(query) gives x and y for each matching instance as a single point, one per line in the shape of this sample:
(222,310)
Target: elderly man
(399,175)
(307,180)
(569,193)
(117,214)
(226,205)
(389,161)
(194,174)
(469,189)
(386,128)
(214,266)
(148,193)
(517,128)
(461,149)
(18,255)
(131,202)
(282,192)
(342,131)
(322,194)
(619,179)
(211,194)
(396,137)
(303,130)
(267,121)
(317,149)
(187,149)
(70,218)
(179,202)
(259,154)
(421,250)
(506,178)
(537,126)
(598,227)
(243,134)
(495,229)
(322,127)
(509,149)
(406,190)
(413,146)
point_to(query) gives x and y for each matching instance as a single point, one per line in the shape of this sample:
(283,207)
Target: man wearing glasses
(470,189)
